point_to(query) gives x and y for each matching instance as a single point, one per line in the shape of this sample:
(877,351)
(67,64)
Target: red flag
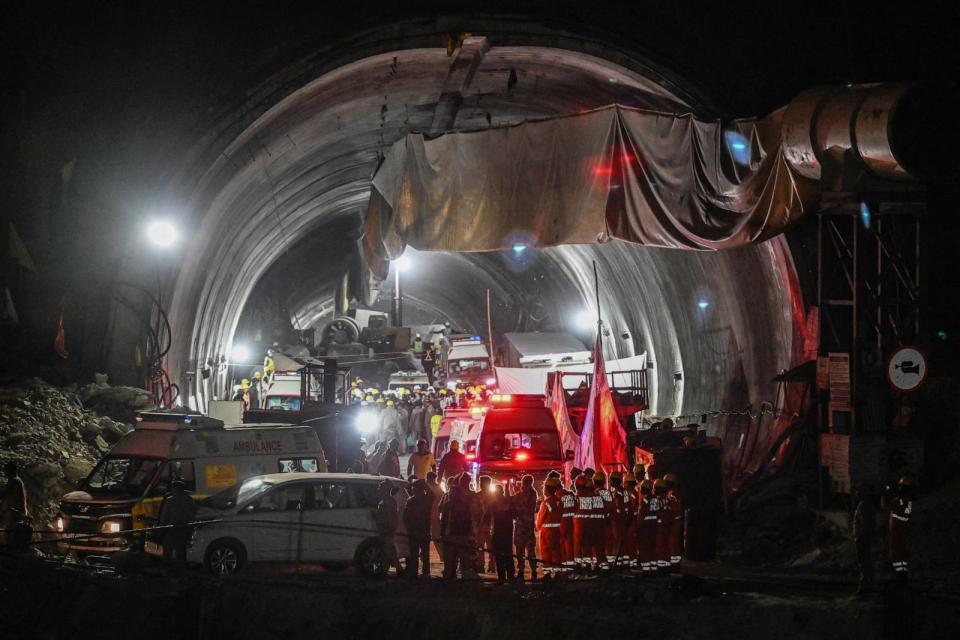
(569,440)
(60,342)
(602,440)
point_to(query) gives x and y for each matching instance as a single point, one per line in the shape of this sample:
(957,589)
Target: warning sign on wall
(220,476)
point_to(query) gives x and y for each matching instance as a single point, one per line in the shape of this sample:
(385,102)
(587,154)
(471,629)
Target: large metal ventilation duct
(898,132)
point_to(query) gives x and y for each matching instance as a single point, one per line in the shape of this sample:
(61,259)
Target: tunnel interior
(275,211)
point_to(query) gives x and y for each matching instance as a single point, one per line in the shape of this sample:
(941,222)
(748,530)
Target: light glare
(162,233)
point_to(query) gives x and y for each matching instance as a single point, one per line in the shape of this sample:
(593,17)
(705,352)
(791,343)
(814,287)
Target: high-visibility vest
(435,424)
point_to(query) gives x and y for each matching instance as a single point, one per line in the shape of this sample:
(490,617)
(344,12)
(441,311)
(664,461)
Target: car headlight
(367,421)
(111,527)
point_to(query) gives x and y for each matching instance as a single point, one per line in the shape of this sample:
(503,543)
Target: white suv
(322,518)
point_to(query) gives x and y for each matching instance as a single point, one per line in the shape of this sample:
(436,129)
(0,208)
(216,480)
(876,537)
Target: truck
(408,380)
(468,362)
(123,493)
(544,349)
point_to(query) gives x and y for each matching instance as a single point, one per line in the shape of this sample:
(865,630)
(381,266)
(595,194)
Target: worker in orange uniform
(646,528)
(675,507)
(899,502)
(664,524)
(619,515)
(600,486)
(630,502)
(549,519)
(568,503)
(587,525)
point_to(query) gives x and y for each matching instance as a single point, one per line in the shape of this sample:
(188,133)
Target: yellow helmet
(380,400)
(389,403)
(660,485)
(639,470)
(671,479)
(256,375)
(244,384)
(443,392)
(354,384)
(616,475)
(907,480)
(599,477)
(369,398)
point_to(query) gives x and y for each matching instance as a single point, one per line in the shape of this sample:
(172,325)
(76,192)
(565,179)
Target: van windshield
(542,445)
(472,365)
(130,476)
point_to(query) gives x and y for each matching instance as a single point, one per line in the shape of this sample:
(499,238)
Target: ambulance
(124,491)
(517,436)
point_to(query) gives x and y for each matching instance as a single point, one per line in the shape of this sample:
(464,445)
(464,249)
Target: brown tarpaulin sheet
(657,179)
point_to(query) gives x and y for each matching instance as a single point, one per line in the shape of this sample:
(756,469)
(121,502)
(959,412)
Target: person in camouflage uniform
(524,534)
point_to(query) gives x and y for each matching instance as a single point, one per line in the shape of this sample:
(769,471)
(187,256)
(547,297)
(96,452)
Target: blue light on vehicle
(519,248)
(865,215)
(703,304)
(739,147)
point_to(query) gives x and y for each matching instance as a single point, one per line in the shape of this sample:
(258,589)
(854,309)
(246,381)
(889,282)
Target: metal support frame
(868,288)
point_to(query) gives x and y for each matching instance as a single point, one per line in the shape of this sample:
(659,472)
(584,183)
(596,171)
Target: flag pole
(490,330)
(596,293)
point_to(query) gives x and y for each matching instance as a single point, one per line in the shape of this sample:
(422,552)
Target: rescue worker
(427,361)
(453,462)
(418,344)
(568,503)
(177,512)
(587,520)
(639,472)
(269,367)
(630,500)
(421,461)
(675,507)
(899,502)
(864,523)
(390,423)
(434,486)
(386,517)
(500,519)
(13,504)
(416,422)
(416,519)
(255,391)
(524,533)
(620,511)
(486,497)
(549,520)
(456,532)
(646,528)
(600,485)
(390,464)
(664,525)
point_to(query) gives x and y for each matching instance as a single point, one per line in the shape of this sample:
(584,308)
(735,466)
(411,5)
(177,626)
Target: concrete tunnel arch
(300,153)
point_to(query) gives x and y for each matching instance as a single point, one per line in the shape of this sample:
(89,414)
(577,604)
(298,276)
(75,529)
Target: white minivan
(310,518)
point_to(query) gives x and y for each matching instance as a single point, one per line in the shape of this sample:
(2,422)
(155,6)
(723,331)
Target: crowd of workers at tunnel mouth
(594,523)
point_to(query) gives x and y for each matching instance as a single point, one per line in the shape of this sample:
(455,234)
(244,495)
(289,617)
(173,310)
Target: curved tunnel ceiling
(303,170)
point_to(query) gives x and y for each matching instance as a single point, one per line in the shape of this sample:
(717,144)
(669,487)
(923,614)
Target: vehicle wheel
(370,560)
(224,558)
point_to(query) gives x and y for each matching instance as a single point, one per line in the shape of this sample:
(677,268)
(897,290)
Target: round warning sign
(906,369)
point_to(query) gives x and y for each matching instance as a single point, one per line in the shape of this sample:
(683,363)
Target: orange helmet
(660,485)
(629,478)
(670,479)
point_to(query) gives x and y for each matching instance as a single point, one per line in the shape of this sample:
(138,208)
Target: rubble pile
(54,440)
(777,527)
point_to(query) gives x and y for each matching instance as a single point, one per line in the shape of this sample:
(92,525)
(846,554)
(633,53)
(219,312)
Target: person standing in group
(630,505)
(864,523)
(386,518)
(254,393)
(390,463)
(269,368)
(549,520)
(664,525)
(417,520)
(500,517)
(176,513)
(456,532)
(453,462)
(619,513)
(485,498)
(600,486)
(434,486)
(646,528)
(524,534)
(421,461)
(587,519)
(568,503)
(675,518)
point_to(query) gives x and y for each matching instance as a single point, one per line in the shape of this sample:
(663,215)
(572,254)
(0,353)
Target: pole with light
(400,264)
(163,234)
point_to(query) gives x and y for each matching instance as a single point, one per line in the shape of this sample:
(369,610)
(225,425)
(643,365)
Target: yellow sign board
(221,476)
